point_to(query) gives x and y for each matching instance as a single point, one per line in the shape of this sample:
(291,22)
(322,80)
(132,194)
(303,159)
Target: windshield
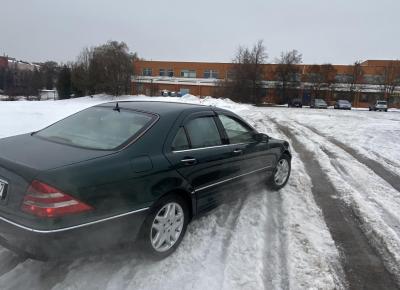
(97,128)
(381,102)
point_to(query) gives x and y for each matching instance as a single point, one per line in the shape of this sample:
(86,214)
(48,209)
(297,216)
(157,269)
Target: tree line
(106,68)
(246,80)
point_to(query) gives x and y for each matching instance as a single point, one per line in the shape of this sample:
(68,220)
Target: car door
(200,153)
(253,156)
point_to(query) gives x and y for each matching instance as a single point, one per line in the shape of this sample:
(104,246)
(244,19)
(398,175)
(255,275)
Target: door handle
(189,161)
(237,151)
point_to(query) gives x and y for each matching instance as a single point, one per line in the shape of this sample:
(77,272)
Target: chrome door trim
(211,147)
(232,178)
(72,227)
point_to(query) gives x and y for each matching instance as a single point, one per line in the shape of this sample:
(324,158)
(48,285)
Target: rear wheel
(281,173)
(165,226)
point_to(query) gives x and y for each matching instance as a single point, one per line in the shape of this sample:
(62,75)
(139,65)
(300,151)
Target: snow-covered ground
(262,240)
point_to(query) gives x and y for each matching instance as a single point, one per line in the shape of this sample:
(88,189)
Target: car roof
(156,107)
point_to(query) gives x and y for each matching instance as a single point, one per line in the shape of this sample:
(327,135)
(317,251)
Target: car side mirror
(260,137)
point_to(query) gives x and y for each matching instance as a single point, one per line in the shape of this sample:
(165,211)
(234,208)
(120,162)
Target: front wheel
(281,173)
(165,226)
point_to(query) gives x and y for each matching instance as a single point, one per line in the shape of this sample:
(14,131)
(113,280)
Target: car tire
(385,110)
(276,183)
(168,225)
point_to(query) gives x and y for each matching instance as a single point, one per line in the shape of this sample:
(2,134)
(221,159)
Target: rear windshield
(382,102)
(98,128)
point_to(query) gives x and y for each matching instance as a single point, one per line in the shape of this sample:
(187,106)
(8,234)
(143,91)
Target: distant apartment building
(361,86)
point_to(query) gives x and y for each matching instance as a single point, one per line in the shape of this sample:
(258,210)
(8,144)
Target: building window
(210,74)
(374,79)
(343,78)
(148,72)
(166,72)
(230,74)
(188,73)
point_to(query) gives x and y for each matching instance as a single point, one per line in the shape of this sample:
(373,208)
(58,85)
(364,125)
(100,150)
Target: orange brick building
(202,78)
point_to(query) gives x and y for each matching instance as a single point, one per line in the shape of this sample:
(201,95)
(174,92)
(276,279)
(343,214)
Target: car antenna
(116,108)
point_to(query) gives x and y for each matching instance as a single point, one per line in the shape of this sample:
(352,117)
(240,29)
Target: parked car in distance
(319,104)
(120,172)
(379,106)
(342,105)
(295,103)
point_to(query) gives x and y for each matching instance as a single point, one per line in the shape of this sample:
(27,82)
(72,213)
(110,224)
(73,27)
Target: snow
(375,202)
(262,239)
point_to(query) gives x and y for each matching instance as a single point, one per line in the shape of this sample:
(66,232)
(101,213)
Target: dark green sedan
(122,172)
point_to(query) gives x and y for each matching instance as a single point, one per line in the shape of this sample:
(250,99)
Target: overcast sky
(336,31)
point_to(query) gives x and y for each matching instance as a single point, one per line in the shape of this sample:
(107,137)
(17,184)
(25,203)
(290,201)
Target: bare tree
(286,72)
(111,68)
(103,69)
(391,78)
(356,79)
(321,77)
(246,75)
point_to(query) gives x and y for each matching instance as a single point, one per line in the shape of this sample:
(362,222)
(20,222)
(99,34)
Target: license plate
(3,187)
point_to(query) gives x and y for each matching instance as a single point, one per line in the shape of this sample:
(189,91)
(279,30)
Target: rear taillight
(46,201)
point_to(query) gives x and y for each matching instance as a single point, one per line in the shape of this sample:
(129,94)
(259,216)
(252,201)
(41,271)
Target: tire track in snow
(310,257)
(256,255)
(9,261)
(390,177)
(390,216)
(364,269)
(275,238)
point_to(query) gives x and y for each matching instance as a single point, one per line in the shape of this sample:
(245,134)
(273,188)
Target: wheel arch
(186,195)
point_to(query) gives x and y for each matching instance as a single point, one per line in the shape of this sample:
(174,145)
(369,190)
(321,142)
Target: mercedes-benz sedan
(120,172)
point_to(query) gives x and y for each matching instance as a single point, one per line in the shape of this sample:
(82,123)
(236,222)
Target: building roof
(379,62)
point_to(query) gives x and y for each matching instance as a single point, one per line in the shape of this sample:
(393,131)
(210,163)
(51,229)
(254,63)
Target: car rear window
(98,128)
(382,102)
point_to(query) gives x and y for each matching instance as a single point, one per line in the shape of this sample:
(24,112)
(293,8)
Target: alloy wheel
(282,172)
(167,227)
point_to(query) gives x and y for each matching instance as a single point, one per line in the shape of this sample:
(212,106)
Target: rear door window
(180,141)
(203,132)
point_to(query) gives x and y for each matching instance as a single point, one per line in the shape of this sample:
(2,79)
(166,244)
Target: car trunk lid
(36,153)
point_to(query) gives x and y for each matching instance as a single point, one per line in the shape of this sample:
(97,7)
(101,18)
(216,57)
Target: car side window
(236,131)
(180,141)
(203,132)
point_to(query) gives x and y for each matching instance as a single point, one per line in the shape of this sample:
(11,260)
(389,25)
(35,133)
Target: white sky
(336,31)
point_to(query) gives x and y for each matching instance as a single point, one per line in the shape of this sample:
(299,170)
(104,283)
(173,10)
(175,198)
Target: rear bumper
(73,241)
